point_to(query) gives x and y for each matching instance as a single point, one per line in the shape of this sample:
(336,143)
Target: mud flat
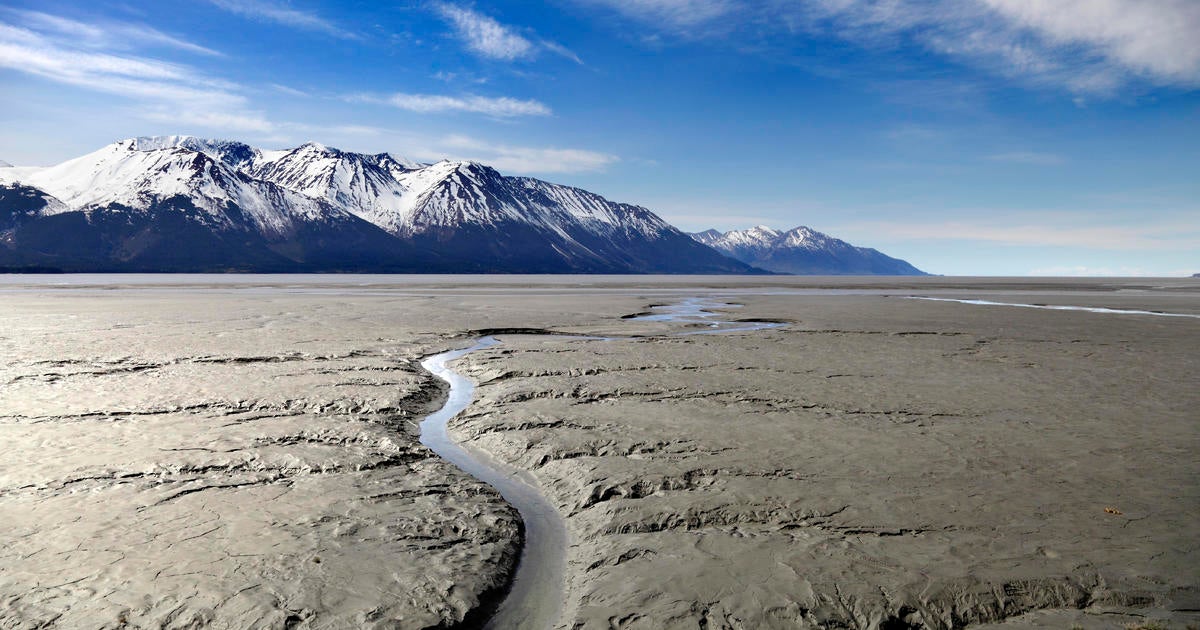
(186,459)
(243,452)
(879,463)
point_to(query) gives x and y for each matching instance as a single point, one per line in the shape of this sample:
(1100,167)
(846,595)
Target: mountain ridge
(316,208)
(803,251)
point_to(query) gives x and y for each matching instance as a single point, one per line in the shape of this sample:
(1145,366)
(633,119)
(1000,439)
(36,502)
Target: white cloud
(29,52)
(290,91)
(489,38)
(1083,46)
(1087,46)
(502,107)
(456,77)
(561,51)
(106,34)
(162,91)
(521,159)
(486,36)
(281,14)
(1158,38)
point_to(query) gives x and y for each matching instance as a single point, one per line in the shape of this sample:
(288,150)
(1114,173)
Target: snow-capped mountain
(315,207)
(465,207)
(128,206)
(4,164)
(473,214)
(124,173)
(373,187)
(804,251)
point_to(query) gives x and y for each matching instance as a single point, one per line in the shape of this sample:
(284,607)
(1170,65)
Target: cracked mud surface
(225,462)
(222,457)
(877,464)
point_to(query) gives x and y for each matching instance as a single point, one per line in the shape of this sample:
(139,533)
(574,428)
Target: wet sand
(244,451)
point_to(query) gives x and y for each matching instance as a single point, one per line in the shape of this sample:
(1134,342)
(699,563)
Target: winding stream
(535,597)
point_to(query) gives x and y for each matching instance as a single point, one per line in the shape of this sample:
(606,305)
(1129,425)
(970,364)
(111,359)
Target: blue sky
(991,137)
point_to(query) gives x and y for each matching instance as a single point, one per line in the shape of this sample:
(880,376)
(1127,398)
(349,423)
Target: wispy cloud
(290,91)
(455,77)
(1084,46)
(485,36)
(285,15)
(1031,158)
(524,159)
(561,51)
(678,15)
(163,90)
(106,34)
(501,107)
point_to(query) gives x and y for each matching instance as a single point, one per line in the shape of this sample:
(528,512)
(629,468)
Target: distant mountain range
(180,203)
(804,251)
